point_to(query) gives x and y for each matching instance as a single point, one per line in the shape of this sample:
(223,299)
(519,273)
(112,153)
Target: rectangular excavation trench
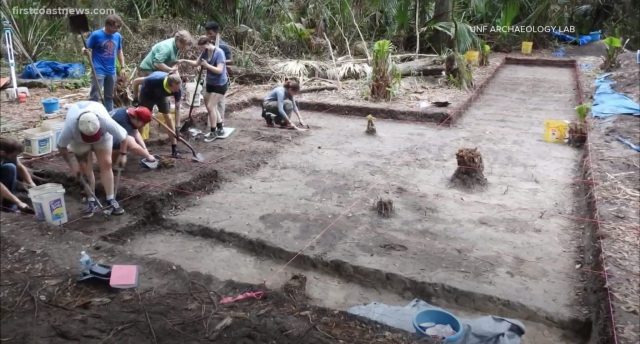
(510,250)
(230,257)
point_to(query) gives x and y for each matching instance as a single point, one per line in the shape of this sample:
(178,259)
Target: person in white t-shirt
(89,128)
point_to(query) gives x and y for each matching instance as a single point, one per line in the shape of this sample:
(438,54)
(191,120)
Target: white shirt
(71,133)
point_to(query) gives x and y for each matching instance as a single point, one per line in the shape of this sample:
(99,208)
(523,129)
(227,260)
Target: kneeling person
(280,102)
(132,119)
(89,128)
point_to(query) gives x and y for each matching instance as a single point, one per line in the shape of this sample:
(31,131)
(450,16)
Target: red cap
(142,113)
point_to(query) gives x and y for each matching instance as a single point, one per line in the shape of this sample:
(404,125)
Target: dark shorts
(219,89)
(149,102)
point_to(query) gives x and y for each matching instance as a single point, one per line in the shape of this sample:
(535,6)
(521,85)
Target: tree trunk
(248,76)
(419,67)
(443,12)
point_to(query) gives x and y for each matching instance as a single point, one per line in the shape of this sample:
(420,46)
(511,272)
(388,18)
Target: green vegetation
(484,55)
(304,30)
(384,76)
(33,34)
(582,111)
(614,47)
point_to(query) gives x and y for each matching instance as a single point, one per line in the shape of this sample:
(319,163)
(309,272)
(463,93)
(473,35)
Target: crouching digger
(279,103)
(12,172)
(89,128)
(132,119)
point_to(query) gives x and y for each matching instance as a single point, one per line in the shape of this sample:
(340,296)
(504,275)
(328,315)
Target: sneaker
(220,132)
(210,137)
(176,155)
(90,209)
(113,208)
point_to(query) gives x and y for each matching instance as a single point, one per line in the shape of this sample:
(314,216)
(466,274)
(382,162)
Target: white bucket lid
(45,188)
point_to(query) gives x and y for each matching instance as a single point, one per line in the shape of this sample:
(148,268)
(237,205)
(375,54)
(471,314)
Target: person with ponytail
(279,103)
(212,60)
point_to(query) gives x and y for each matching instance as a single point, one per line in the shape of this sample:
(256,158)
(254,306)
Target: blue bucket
(595,35)
(51,105)
(438,316)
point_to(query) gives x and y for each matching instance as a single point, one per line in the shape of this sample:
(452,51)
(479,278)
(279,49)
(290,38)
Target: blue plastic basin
(439,317)
(51,105)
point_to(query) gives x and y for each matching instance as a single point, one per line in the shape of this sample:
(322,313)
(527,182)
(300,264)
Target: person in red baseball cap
(132,119)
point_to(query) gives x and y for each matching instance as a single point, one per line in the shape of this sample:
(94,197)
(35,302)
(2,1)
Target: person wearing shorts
(89,128)
(212,60)
(152,91)
(214,32)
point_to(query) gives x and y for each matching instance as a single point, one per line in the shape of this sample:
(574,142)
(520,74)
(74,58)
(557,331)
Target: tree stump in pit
(470,171)
(384,207)
(577,134)
(296,287)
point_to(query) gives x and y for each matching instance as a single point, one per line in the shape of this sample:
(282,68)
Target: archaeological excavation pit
(508,249)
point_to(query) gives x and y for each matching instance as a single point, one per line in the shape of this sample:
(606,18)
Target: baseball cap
(142,113)
(89,126)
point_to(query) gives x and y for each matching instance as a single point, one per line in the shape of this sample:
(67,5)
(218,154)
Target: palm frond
(350,70)
(462,34)
(300,68)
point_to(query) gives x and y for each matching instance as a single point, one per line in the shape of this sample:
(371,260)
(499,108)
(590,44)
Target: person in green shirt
(164,55)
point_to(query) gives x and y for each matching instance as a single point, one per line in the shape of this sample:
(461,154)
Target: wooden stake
(417,28)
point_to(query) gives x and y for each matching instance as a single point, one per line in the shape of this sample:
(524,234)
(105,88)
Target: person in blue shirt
(104,45)
(132,119)
(212,60)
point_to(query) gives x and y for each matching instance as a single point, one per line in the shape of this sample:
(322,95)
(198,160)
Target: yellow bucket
(144,132)
(527,47)
(556,131)
(472,57)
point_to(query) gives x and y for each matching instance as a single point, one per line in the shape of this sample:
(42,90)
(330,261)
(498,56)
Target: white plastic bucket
(37,142)
(55,126)
(190,90)
(48,203)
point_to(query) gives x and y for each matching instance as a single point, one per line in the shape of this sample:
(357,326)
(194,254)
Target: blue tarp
(580,39)
(607,102)
(53,70)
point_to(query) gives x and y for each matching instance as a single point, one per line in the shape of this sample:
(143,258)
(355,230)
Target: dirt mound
(470,171)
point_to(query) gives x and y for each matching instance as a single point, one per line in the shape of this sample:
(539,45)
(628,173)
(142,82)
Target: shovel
(196,156)
(79,24)
(189,122)
(117,182)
